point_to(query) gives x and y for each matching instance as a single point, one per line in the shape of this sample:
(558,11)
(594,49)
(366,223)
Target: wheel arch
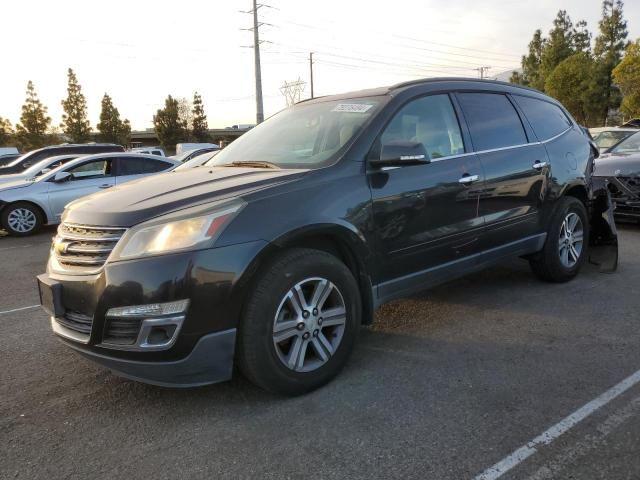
(40,208)
(578,191)
(340,241)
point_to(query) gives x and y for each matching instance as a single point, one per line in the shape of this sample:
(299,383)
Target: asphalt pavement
(494,370)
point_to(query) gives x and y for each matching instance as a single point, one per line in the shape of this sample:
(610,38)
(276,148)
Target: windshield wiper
(251,164)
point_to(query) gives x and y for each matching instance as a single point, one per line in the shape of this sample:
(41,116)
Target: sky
(140,51)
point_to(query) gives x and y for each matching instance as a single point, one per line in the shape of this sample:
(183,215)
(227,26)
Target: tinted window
(94,169)
(492,119)
(153,166)
(546,119)
(139,166)
(430,121)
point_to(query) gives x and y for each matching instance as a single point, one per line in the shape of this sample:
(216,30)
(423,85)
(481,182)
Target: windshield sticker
(352,107)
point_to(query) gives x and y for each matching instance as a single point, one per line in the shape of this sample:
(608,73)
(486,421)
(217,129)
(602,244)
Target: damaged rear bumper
(603,244)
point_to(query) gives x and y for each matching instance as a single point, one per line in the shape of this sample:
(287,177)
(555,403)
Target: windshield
(308,135)
(18,160)
(610,138)
(202,159)
(50,163)
(629,145)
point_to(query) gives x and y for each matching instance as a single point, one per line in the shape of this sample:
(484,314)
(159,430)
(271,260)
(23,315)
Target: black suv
(23,162)
(274,253)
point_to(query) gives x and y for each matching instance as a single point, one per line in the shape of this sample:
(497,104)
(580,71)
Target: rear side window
(546,119)
(139,166)
(153,166)
(493,121)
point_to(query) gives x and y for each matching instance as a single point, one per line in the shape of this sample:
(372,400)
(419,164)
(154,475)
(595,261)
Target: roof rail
(458,79)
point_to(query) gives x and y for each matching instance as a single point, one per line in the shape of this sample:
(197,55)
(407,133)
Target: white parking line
(17,246)
(548,436)
(19,309)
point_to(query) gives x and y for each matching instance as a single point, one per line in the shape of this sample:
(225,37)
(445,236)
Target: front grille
(76,321)
(122,331)
(80,247)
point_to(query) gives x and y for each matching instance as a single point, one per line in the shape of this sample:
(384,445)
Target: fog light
(150,310)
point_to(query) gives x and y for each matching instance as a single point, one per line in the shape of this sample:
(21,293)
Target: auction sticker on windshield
(352,107)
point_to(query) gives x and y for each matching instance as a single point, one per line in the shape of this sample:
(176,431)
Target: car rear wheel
(565,249)
(21,219)
(300,322)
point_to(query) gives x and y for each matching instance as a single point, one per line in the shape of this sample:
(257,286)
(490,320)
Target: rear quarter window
(546,119)
(492,119)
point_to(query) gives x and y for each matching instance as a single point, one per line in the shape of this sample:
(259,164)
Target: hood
(12,178)
(137,201)
(13,184)
(618,165)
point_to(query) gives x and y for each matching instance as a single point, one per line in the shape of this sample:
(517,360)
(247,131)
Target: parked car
(609,137)
(23,162)
(37,169)
(274,256)
(197,161)
(189,154)
(190,147)
(149,151)
(621,168)
(26,205)
(8,158)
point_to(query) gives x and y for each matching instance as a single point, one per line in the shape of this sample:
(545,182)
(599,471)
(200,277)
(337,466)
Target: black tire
(22,207)
(257,356)
(547,264)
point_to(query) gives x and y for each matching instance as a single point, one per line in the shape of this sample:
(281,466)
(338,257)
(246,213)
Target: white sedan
(26,205)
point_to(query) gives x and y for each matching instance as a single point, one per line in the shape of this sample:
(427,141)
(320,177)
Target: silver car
(27,204)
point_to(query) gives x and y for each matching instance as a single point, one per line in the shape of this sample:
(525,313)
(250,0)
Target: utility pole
(483,71)
(311,71)
(258,72)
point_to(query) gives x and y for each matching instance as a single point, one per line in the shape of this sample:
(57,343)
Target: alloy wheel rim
(21,220)
(309,324)
(570,243)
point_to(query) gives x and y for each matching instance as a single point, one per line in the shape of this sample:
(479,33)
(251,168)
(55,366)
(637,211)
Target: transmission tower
(292,91)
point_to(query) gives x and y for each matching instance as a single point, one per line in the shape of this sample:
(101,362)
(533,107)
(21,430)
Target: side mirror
(61,177)
(400,154)
(44,170)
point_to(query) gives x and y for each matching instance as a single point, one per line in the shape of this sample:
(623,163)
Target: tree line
(179,121)
(594,84)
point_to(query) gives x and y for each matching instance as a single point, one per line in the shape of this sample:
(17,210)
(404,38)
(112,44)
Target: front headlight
(188,230)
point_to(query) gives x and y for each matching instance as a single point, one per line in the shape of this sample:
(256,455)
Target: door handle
(467,179)
(538,164)
(106,185)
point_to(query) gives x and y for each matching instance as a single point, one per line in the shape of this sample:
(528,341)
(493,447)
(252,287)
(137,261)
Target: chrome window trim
(491,150)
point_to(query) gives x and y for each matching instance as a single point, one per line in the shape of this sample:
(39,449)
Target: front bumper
(210,361)
(211,280)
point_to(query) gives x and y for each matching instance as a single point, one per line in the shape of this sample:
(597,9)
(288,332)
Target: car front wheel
(21,219)
(300,322)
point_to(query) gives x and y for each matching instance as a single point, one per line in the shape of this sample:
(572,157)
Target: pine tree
(627,77)
(111,128)
(6,132)
(609,46)
(531,63)
(200,128)
(557,47)
(169,127)
(74,120)
(34,121)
